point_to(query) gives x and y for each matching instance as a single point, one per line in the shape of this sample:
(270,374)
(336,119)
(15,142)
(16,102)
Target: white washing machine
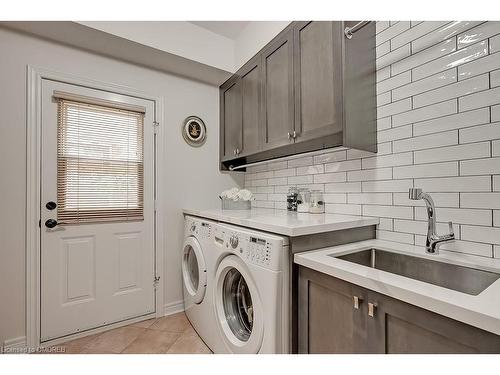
(250,291)
(198,268)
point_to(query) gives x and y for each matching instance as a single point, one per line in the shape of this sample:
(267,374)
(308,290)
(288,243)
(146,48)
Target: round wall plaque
(194,131)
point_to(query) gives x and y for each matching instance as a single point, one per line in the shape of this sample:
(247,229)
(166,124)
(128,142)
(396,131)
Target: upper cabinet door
(278,100)
(231,118)
(318,79)
(250,85)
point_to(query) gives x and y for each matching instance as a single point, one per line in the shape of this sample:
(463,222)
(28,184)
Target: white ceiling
(229,29)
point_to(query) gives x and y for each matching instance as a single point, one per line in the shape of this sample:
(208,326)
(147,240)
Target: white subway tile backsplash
(399,212)
(343,187)
(415,32)
(330,177)
(335,198)
(454,90)
(394,108)
(443,33)
(387,186)
(448,138)
(480,200)
(425,113)
(392,31)
(447,169)
(391,160)
(393,82)
(479,100)
(481,234)
(455,184)
(440,199)
(370,174)
(495,78)
(476,34)
(480,167)
(457,215)
(311,169)
(449,61)
(348,165)
(480,133)
(395,236)
(369,198)
(417,59)
(459,152)
(479,66)
(426,84)
(495,148)
(456,121)
(344,209)
(300,162)
(393,56)
(437,128)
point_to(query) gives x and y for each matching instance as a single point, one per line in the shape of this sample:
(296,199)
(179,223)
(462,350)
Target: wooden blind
(100,170)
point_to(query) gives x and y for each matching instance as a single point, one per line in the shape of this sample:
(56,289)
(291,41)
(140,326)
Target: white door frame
(35,75)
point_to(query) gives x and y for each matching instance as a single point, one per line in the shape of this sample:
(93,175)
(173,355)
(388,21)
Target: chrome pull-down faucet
(433,239)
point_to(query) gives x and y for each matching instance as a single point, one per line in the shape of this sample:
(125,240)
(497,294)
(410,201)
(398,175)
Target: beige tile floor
(171,334)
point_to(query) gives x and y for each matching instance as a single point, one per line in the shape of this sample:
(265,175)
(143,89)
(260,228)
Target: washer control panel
(264,250)
(197,228)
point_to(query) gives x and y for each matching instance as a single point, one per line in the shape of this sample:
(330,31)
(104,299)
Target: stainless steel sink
(463,279)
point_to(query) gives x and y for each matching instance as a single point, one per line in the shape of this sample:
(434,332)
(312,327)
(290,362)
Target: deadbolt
(51,205)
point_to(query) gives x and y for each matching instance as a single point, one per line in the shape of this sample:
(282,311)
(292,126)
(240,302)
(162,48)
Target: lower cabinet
(338,317)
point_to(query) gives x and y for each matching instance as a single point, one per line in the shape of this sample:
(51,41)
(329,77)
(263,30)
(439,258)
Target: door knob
(51,205)
(50,223)
(371,309)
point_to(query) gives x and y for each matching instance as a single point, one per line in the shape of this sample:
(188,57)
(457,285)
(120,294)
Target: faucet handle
(414,193)
(450,225)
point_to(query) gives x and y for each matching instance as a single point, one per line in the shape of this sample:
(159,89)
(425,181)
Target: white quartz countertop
(482,310)
(284,222)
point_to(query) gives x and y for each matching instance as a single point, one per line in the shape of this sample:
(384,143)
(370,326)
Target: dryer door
(194,270)
(238,307)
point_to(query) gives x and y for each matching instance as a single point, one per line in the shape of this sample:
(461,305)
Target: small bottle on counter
(291,198)
(317,205)
(303,200)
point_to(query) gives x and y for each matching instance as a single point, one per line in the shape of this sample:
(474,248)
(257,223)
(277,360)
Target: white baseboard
(174,308)
(15,345)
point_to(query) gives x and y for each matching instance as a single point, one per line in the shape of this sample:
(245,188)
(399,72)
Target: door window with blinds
(100,170)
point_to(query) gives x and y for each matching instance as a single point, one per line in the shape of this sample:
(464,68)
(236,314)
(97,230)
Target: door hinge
(156,126)
(156,281)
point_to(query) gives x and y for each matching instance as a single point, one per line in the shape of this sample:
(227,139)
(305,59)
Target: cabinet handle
(294,135)
(371,309)
(357,301)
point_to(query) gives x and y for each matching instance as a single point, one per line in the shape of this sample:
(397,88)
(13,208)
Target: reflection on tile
(114,341)
(174,323)
(189,344)
(153,342)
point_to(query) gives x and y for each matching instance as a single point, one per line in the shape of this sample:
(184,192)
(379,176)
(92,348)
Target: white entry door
(97,209)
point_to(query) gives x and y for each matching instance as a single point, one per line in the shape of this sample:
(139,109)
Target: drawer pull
(357,301)
(371,309)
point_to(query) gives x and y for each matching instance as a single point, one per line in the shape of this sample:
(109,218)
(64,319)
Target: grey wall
(193,178)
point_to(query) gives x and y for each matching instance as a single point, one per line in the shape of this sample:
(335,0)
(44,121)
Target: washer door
(194,270)
(238,308)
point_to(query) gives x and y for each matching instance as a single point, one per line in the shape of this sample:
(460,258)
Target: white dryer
(250,292)
(198,268)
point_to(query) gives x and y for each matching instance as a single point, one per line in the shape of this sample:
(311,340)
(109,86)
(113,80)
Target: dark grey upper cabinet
(318,79)
(310,88)
(231,118)
(251,91)
(278,99)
